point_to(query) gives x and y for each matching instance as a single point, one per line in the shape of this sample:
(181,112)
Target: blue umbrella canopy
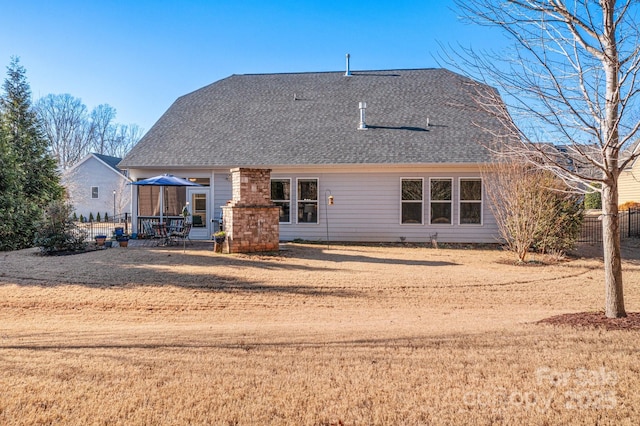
(164,180)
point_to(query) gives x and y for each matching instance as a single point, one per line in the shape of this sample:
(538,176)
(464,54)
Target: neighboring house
(96,185)
(408,169)
(629,180)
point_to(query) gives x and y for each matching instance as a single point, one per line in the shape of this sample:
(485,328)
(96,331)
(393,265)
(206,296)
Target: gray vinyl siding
(367,209)
(367,206)
(222,192)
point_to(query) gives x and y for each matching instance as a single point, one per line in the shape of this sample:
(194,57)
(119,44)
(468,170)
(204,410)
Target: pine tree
(34,181)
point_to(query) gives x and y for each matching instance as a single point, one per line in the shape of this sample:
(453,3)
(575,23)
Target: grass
(350,335)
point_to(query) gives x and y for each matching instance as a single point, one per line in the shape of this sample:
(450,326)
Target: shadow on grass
(481,341)
(196,268)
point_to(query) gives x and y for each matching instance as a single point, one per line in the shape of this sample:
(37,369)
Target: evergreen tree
(32,181)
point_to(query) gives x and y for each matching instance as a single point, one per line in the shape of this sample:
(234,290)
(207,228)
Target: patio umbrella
(162,181)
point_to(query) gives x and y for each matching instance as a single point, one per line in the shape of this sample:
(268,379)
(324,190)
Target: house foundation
(251,220)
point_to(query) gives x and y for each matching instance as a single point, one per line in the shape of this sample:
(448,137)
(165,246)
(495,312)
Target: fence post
(126,222)
(629,222)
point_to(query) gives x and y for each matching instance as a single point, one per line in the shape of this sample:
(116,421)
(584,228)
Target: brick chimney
(251,220)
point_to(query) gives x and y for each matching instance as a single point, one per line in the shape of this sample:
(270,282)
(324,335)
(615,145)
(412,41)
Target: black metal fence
(629,221)
(94,228)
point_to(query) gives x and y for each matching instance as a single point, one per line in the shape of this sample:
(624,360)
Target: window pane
(307,212)
(285,210)
(280,189)
(471,190)
(440,213)
(412,189)
(441,189)
(470,213)
(94,192)
(308,189)
(411,212)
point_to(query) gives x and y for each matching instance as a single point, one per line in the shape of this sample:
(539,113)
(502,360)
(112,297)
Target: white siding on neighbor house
(367,208)
(94,173)
(629,184)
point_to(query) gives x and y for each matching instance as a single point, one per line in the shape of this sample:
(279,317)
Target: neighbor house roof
(420,116)
(109,161)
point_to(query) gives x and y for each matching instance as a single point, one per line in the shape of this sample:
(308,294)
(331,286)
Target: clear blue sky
(138,56)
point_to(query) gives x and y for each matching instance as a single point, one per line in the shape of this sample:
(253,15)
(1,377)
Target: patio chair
(147,229)
(161,234)
(182,234)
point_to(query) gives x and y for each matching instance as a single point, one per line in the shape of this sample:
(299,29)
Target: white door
(200,215)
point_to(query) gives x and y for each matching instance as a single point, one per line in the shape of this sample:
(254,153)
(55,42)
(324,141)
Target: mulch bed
(595,320)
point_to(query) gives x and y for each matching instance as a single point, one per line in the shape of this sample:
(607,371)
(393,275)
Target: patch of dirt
(595,320)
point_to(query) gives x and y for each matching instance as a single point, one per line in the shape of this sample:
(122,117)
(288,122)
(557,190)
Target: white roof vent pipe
(348,72)
(363,124)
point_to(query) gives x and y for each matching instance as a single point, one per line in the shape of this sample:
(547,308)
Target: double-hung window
(411,203)
(307,200)
(94,192)
(441,199)
(281,197)
(470,201)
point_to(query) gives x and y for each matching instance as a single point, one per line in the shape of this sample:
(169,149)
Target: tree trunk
(614,296)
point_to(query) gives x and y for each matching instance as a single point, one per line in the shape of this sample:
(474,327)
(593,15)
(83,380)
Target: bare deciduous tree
(571,79)
(64,121)
(72,132)
(102,126)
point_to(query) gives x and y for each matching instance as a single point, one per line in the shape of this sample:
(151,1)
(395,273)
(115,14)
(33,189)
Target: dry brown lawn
(361,335)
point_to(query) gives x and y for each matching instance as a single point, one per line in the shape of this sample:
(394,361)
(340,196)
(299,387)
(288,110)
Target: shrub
(98,218)
(75,217)
(559,232)
(532,209)
(106,217)
(91,219)
(82,218)
(593,200)
(628,205)
(57,232)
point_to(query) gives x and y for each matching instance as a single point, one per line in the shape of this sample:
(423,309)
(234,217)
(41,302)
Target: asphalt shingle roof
(421,116)
(111,161)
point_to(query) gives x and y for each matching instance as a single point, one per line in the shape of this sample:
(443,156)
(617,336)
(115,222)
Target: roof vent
(348,72)
(363,124)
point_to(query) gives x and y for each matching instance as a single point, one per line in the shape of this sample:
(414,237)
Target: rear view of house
(362,156)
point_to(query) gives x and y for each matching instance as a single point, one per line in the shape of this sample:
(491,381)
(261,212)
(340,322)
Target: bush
(91,219)
(532,209)
(98,218)
(82,219)
(593,200)
(629,205)
(559,232)
(57,232)
(106,217)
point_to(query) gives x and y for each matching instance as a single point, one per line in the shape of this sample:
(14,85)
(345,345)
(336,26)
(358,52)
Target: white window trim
(290,201)
(411,201)
(481,201)
(317,222)
(98,188)
(451,201)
